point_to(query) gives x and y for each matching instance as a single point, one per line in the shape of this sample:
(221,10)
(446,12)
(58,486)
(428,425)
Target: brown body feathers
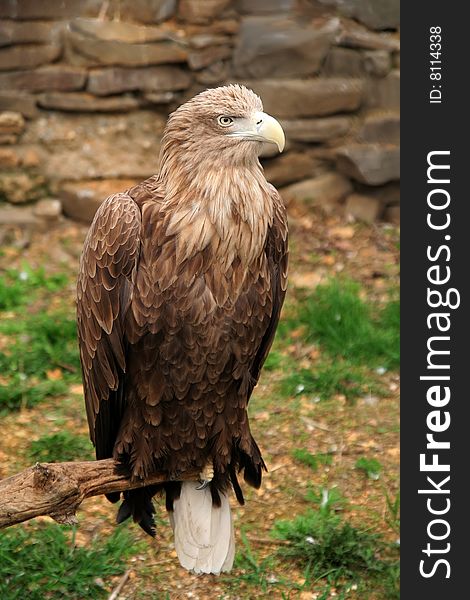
(181,283)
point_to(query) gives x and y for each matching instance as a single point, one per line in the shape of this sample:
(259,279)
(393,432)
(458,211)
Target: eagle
(180,287)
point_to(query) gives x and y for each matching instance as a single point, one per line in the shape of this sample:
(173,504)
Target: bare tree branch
(58,489)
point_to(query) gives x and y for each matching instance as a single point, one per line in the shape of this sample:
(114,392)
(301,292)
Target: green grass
(392,516)
(44,563)
(311,460)
(326,380)
(254,571)
(346,326)
(38,344)
(326,500)
(274,361)
(333,550)
(354,337)
(17,286)
(371,467)
(62,446)
(21,393)
(328,551)
(34,344)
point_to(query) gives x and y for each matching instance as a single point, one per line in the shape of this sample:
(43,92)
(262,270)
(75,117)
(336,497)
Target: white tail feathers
(204,537)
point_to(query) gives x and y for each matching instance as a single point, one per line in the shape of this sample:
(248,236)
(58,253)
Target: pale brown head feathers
(210,170)
(224,125)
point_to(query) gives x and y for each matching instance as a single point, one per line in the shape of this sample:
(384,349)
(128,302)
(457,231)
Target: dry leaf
(309,279)
(262,416)
(329,260)
(342,232)
(54,374)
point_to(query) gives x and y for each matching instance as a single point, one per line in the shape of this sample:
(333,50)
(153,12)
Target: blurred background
(85,90)
(87,85)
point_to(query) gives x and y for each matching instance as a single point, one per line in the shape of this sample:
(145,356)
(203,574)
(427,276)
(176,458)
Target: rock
(218,72)
(20,102)
(198,59)
(326,190)
(112,52)
(11,127)
(58,133)
(11,123)
(99,160)
(373,164)
(8,158)
(48,209)
(204,40)
(103,82)
(82,199)
(316,130)
(118,31)
(381,127)
(376,14)
(159,97)
(28,56)
(29,32)
(355,37)
(363,208)
(292,98)
(225,26)
(54,77)
(377,62)
(265,6)
(31,156)
(195,11)
(7,138)
(288,168)
(384,92)
(18,217)
(392,215)
(387,194)
(344,62)
(18,187)
(105,146)
(147,11)
(82,102)
(280,47)
(52,9)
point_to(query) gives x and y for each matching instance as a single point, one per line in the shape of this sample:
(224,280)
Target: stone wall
(86,85)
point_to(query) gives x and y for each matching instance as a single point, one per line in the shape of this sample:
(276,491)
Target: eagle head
(226,121)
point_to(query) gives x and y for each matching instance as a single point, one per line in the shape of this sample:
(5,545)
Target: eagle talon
(203,483)
(206,476)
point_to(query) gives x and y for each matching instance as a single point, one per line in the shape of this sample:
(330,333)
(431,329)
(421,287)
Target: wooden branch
(58,489)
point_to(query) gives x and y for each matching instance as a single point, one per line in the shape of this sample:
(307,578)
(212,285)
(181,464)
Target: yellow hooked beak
(270,130)
(260,128)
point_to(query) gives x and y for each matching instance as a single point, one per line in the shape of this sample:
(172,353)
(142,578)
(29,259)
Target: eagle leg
(206,476)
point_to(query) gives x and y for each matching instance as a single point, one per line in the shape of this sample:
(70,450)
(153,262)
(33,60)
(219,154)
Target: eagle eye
(225,121)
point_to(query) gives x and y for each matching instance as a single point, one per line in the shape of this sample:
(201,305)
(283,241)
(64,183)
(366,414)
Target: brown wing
(105,282)
(277,255)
